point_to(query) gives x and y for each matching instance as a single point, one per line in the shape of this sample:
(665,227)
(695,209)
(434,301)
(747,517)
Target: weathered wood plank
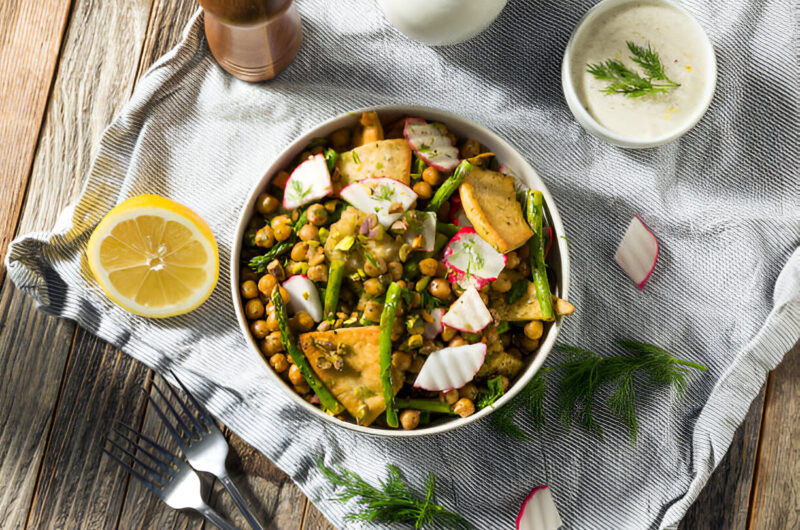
(30,40)
(725,500)
(314,520)
(776,492)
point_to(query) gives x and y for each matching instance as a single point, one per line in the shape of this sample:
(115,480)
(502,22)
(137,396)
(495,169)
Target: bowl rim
(520,165)
(588,121)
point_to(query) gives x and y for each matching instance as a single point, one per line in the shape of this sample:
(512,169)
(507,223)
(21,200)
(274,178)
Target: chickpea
(295,376)
(267,283)
(469,391)
(254,309)
(464,407)
(448,333)
(423,190)
(249,289)
(409,419)
(278,362)
(265,237)
(395,270)
(523,252)
(401,360)
(266,204)
(317,214)
(502,284)
(529,344)
(372,270)
(340,140)
(373,287)
(246,273)
(428,267)
(505,339)
(280,179)
(305,155)
(524,268)
(302,388)
(439,288)
(308,232)
(453,138)
(272,344)
(259,329)
(317,257)
(299,251)
(441,270)
(317,150)
(272,323)
(450,397)
(280,220)
(457,341)
(512,260)
(534,329)
(318,273)
(282,232)
(470,148)
(372,311)
(302,322)
(432,176)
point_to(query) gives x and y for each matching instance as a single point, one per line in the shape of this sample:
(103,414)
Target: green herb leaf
(519,288)
(383,193)
(355,157)
(331,157)
(486,398)
(623,80)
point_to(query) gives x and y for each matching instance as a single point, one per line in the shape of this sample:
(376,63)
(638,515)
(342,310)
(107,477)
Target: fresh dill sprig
(391,502)
(623,80)
(583,373)
(494,391)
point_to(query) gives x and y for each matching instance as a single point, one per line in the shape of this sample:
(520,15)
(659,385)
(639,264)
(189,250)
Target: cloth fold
(724,202)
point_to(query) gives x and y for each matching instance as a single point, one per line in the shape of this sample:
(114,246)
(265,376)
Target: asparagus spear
(259,263)
(427,405)
(450,185)
(289,342)
(447,229)
(335,275)
(534,214)
(385,344)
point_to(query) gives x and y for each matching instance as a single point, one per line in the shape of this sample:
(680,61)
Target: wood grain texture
(30,40)
(776,492)
(725,500)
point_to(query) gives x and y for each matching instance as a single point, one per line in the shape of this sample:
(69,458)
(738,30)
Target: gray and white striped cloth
(724,201)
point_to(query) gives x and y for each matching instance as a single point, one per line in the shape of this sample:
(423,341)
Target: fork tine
(186,429)
(154,474)
(168,424)
(189,412)
(147,484)
(204,414)
(155,445)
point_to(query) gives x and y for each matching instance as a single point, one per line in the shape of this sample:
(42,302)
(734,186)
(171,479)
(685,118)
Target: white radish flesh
(471,260)
(468,314)
(457,214)
(638,252)
(432,329)
(421,224)
(451,368)
(387,198)
(309,182)
(303,296)
(539,512)
(431,144)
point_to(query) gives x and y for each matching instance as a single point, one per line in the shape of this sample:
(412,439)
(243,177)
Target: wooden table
(66,68)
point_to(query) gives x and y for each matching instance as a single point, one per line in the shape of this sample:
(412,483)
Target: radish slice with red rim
(550,234)
(471,260)
(451,368)
(638,252)
(538,511)
(309,182)
(457,214)
(431,144)
(468,314)
(432,329)
(387,198)
(421,233)
(303,296)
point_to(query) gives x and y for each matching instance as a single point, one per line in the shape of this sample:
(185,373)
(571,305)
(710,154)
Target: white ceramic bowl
(508,156)
(588,121)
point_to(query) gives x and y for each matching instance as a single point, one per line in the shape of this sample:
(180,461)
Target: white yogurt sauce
(679,42)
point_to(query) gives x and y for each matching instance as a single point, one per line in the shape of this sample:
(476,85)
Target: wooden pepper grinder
(253,40)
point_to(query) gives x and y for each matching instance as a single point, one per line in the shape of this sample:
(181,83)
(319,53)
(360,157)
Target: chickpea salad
(396,274)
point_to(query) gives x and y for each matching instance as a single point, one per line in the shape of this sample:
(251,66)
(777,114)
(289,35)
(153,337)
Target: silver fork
(169,477)
(200,440)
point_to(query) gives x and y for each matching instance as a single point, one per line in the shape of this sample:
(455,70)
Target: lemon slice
(154,257)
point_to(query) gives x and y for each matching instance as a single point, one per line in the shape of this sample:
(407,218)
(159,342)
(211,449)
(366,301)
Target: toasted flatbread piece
(491,205)
(527,307)
(357,386)
(384,158)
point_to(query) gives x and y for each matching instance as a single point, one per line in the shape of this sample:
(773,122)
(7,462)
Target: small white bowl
(509,157)
(590,123)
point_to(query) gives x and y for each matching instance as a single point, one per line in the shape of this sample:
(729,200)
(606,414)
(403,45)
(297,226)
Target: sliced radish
(451,368)
(303,296)
(387,198)
(468,313)
(538,511)
(309,182)
(421,233)
(638,252)
(550,234)
(432,329)
(457,214)
(471,260)
(504,170)
(431,144)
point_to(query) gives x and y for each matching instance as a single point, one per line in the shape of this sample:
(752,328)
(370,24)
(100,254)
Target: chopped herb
(623,80)
(379,165)
(383,193)
(519,288)
(355,157)
(297,191)
(331,157)
(372,260)
(486,398)
(503,327)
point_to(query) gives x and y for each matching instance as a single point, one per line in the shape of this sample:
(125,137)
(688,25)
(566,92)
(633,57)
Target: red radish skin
(550,236)
(444,157)
(538,511)
(451,367)
(309,182)
(637,253)
(457,214)
(496,261)
(297,286)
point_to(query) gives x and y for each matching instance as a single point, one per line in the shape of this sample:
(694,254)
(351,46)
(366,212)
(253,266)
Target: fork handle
(215,518)
(239,500)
